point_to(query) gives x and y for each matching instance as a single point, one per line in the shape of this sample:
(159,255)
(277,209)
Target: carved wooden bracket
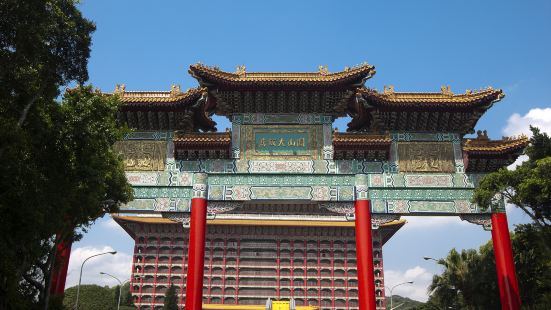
(479,219)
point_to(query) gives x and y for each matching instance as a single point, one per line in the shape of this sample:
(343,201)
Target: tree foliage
(469,279)
(58,169)
(94,297)
(528,186)
(171,298)
(91,297)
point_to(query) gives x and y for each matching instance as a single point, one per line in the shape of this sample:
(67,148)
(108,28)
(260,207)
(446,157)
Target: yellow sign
(280,305)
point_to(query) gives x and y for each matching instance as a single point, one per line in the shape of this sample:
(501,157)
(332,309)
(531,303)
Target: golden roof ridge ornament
(323,70)
(446,90)
(388,89)
(241,70)
(175,90)
(120,89)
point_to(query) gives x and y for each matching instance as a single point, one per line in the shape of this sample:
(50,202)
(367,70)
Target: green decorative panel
(274,193)
(421,194)
(425,136)
(281,180)
(281,118)
(168,192)
(149,135)
(159,204)
(432,206)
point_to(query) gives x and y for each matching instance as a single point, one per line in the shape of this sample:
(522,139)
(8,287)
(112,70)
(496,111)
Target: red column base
(505,266)
(364,255)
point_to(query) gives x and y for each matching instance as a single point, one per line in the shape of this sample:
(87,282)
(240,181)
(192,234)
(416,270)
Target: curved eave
(431,101)
(351,78)
(159,101)
(497,147)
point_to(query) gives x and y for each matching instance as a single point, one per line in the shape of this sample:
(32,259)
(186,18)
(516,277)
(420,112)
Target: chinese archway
(282,205)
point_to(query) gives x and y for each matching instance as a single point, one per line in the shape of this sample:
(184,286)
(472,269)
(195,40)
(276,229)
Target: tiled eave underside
(165,111)
(282,100)
(389,228)
(430,112)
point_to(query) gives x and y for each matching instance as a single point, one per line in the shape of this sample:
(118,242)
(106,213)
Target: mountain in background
(406,303)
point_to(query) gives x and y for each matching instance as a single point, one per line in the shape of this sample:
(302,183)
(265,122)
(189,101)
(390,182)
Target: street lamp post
(392,289)
(82,266)
(120,286)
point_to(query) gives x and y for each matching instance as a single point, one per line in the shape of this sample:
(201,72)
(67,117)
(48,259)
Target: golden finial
(241,70)
(175,90)
(323,69)
(347,68)
(389,89)
(468,91)
(120,89)
(446,90)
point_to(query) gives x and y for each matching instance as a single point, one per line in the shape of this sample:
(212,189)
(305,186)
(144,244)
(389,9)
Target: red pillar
(364,255)
(196,254)
(505,266)
(61,264)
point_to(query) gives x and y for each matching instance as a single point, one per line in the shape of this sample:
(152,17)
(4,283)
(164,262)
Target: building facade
(282,205)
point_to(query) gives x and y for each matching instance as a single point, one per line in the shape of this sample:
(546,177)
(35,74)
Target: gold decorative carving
(389,89)
(175,90)
(426,157)
(241,70)
(446,90)
(142,155)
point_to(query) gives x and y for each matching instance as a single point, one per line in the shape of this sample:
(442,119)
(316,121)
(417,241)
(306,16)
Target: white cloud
(418,290)
(111,225)
(518,162)
(118,265)
(517,124)
(427,222)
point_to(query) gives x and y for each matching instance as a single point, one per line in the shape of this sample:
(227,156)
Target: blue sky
(414,45)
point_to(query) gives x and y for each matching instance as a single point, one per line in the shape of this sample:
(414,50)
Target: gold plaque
(426,157)
(282,142)
(142,155)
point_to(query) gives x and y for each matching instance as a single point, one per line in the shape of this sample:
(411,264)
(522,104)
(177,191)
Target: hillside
(407,303)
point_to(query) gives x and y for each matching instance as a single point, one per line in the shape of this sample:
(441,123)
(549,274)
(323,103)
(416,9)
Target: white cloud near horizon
(118,265)
(517,124)
(418,290)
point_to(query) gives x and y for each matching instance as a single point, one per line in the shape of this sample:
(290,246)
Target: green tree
(126,295)
(59,172)
(469,279)
(91,297)
(171,298)
(528,186)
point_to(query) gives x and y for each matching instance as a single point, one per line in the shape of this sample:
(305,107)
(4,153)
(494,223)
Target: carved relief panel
(142,155)
(426,157)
